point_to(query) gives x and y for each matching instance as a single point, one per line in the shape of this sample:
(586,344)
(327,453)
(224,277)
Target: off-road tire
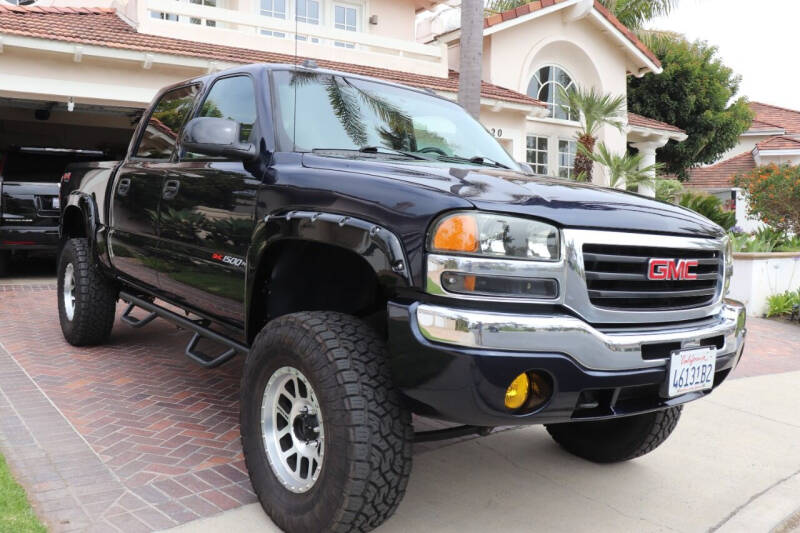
(368,431)
(619,439)
(95,297)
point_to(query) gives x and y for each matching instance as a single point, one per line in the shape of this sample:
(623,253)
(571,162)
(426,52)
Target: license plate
(691,370)
(56,203)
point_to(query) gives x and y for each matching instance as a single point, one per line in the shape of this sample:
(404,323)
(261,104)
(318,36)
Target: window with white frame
(346,17)
(537,153)
(206,22)
(307,12)
(275,9)
(191,20)
(566,158)
(546,86)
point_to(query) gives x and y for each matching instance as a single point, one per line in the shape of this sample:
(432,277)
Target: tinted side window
(161,133)
(233,98)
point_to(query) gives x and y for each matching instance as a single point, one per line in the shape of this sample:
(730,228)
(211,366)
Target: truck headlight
(728,265)
(495,235)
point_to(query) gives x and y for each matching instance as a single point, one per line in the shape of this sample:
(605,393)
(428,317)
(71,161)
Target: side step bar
(200,329)
(451,433)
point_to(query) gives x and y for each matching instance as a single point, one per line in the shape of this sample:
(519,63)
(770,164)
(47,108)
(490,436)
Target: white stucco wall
(758,276)
(591,57)
(746,144)
(53,76)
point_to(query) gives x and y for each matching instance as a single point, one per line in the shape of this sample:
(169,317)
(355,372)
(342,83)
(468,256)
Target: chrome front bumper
(607,349)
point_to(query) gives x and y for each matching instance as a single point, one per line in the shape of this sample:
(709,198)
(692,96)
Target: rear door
(207,217)
(139,188)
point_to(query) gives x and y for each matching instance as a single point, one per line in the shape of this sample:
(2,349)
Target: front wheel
(619,439)
(86,297)
(326,438)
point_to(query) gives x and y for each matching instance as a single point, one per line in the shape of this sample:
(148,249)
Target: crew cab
(372,251)
(29,199)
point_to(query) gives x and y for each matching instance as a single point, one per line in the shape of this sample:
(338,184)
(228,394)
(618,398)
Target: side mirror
(216,137)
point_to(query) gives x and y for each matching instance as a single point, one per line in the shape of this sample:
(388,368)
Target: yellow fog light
(517,392)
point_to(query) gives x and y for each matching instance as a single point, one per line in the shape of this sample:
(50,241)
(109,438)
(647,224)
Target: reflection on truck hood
(566,203)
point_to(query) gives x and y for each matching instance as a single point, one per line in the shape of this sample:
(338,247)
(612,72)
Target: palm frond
(346,108)
(596,109)
(635,13)
(658,40)
(624,169)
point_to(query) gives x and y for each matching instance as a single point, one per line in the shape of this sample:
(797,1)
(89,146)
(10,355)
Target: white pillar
(648,152)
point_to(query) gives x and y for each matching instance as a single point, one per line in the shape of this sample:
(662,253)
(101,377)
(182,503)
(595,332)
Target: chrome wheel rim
(69,291)
(292,429)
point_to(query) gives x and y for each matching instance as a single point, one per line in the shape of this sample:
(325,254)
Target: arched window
(544,87)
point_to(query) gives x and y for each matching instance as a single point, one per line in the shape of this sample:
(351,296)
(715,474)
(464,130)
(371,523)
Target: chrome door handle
(171,188)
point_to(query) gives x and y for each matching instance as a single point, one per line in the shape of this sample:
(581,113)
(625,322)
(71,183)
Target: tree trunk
(471,54)
(583,163)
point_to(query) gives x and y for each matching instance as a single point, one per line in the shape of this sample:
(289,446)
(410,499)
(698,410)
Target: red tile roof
(788,119)
(531,7)
(102,27)
(646,122)
(721,175)
(780,142)
(758,125)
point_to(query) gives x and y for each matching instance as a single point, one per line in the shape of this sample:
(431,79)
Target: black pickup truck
(372,251)
(29,199)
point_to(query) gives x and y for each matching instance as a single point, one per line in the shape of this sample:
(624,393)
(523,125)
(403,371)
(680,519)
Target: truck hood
(566,203)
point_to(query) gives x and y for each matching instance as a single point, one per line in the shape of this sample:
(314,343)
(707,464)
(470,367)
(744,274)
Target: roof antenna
(294,111)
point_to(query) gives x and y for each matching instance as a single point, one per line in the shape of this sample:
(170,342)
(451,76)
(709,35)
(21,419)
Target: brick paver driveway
(133,436)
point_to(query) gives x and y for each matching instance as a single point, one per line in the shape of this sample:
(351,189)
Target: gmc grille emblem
(671,269)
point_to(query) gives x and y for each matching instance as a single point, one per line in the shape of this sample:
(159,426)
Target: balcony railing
(254,31)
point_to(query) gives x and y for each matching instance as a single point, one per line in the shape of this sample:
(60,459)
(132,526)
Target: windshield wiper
(373,150)
(384,150)
(477,159)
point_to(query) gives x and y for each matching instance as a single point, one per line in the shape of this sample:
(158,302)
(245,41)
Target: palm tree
(596,110)
(471,53)
(624,170)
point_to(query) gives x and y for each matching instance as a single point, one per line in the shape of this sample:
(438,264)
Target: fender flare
(86,204)
(381,248)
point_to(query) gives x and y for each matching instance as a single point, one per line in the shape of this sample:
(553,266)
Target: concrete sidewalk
(733,464)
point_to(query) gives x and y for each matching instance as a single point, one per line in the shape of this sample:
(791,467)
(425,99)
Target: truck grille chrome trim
(608,282)
(592,348)
(617,277)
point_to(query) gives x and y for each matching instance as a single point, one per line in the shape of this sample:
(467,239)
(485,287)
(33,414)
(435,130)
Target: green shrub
(710,207)
(781,304)
(669,190)
(774,195)
(765,240)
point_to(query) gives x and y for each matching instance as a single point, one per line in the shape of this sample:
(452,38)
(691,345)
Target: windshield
(338,113)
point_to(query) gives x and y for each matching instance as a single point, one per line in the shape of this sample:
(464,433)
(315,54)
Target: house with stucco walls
(77,73)
(773,137)
(544,45)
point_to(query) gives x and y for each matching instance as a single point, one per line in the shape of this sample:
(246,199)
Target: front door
(207,214)
(138,189)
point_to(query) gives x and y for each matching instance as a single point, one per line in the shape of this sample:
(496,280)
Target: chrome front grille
(616,278)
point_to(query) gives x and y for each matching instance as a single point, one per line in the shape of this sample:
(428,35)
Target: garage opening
(38,139)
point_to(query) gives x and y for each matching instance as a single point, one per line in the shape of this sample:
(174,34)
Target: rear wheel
(326,438)
(619,439)
(86,297)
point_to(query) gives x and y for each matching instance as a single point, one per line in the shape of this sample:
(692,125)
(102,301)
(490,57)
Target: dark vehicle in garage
(29,199)
(373,251)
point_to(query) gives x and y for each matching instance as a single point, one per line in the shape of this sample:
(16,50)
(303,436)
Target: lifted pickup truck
(374,252)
